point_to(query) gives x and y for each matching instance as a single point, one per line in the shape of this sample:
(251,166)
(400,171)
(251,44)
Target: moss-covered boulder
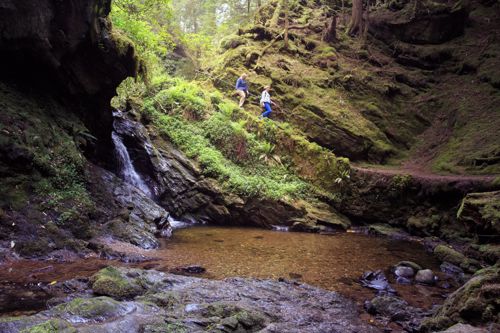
(51,326)
(476,302)
(481,212)
(97,309)
(448,254)
(114,283)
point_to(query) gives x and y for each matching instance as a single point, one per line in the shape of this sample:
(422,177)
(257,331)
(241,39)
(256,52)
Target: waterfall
(127,170)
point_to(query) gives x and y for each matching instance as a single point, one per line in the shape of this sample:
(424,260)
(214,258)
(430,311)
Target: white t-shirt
(266,98)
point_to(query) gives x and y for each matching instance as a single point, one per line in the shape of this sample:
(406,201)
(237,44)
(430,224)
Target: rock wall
(67,49)
(423,204)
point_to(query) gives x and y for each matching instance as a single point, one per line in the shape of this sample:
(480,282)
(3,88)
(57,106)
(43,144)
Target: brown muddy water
(333,262)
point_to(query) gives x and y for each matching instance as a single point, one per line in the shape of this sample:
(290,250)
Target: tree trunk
(287,23)
(356,25)
(366,24)
(330,33)
(248,6)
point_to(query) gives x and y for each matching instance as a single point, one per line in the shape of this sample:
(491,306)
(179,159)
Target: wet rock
(111,282)
(405,272)
(193,269)
(144,218)
(389,306)
(477,302)
(425,276)
(481,213)
(174,303)
(53,325)
(464,328)
(98,309)
(388,231)
(454,271)
(446,253)
(378,281)
(415,266)
(396,310)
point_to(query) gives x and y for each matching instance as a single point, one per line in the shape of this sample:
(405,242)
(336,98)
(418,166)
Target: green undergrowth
(248,156)
(331,92)
(41,160)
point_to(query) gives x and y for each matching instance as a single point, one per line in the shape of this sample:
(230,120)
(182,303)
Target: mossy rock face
(234,318)
(164,299)
(481,212)
(51,326)
(476,302)
(446,253)
(112,282)
(96,309)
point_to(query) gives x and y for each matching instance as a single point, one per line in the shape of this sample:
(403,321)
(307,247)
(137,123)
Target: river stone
(425,276)
(111,282)
(376,280)
(464,328)
(416,267)
(405,272)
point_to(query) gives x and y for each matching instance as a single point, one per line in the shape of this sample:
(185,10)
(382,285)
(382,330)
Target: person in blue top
(265,102)
(242,88)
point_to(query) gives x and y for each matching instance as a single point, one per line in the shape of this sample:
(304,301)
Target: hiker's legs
(267,111)
(242,95)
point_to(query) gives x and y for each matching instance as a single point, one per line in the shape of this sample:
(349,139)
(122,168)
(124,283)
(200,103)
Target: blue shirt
(241,84)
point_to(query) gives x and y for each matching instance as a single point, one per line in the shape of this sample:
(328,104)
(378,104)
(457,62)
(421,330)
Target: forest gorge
(137,196)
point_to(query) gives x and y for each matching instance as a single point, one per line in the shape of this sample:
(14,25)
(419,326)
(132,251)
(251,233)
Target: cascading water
(127,169)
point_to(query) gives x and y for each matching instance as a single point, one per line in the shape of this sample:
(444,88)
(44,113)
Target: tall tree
(356,24)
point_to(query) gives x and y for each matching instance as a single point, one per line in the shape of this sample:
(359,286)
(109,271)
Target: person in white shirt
(265,102)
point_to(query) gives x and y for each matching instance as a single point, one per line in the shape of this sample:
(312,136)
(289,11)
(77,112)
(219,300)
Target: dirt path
(428,176)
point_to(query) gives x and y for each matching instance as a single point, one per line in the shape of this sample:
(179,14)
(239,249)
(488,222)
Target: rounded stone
(425,276)
(404,271)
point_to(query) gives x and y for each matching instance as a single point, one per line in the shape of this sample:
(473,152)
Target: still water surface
(333,262)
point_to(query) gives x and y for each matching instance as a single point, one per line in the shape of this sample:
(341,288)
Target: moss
(51,326)
(96,309)
(111,282)
(165,299)
(232,42)
(476,302)
(445,253)
(481,212)
(44,165)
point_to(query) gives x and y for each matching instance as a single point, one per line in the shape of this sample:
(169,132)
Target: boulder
(396,310)
(450,255)
(112,282)
(425,276)
(415,266)
(477,302)
(464,328)
(378,281)
(405,272)
(481,213)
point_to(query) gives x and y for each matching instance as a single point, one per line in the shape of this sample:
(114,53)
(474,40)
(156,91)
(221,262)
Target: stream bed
(333,262)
